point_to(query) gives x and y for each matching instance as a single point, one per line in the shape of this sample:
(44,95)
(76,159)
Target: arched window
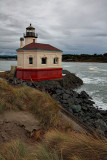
(30,60)
(44,60)
(55,60)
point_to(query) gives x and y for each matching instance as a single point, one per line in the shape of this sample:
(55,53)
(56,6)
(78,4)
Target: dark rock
(70,80)
(70,110)
(98,115)
(70,100)
(76,108)
(93,115)
(67,92)
(100,124)
(64,101)
(103,112)
(70,105)
(77,101)
(65,106)
(71,92)
(58,91)
(90,102)
(58,87)
(66,96)
(84,95)
(84,108)
(87,101)
(75,94)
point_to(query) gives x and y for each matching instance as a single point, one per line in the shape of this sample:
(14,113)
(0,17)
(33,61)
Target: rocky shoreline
(80,105)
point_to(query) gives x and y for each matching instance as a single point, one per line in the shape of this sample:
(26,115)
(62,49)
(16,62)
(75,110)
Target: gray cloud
(77,26)
(96,35)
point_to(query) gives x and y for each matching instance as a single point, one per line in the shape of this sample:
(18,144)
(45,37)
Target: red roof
(40,46)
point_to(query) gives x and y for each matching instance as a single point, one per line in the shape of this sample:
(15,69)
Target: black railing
(31,34)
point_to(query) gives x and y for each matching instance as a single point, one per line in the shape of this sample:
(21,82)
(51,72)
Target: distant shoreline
(102,58)
(5,59)
(86,61)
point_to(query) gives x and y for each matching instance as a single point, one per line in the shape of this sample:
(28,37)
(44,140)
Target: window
(44,60)
(30,60)
(55,61)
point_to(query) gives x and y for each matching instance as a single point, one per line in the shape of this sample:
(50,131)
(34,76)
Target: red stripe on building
(39,74)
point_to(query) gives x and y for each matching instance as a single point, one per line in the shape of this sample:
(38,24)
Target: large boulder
(76,108)
(84,95)
(100,124)
(66,96)
(70,80)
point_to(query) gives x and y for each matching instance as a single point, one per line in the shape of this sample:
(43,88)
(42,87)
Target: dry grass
(5,74)
(15,150)
(77,145)
(25,98)
(57,146)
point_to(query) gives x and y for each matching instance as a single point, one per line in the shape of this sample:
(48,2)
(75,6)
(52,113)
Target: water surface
(94,76)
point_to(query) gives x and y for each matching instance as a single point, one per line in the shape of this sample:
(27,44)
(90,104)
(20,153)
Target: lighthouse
(37,61)
(30,35)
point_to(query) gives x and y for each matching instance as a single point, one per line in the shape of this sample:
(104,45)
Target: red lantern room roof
(39,46)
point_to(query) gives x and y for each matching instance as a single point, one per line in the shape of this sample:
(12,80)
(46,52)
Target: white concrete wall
(29,40)
(50,57)
(27,55)
(23,59)
(21,44)
(20,59)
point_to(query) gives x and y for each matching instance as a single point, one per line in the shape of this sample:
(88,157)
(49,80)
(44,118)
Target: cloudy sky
(74,26)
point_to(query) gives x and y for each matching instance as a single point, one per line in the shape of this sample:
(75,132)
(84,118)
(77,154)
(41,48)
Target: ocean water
(94,76)
(6,65)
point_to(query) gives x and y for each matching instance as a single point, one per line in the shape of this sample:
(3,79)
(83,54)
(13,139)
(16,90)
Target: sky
(74,26)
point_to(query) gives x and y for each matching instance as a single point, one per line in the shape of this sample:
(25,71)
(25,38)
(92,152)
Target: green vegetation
(85,58)
(57,146)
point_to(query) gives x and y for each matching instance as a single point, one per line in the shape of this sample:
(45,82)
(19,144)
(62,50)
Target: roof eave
(38,49)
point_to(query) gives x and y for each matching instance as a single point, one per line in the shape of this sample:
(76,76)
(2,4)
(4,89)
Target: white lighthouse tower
(30,35)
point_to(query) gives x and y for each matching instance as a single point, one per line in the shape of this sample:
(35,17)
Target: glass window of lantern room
(55,60)
(30,60)
(44,60)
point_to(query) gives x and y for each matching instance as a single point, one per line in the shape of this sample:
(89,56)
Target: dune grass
(5,74)
(57,145)
(39,103)
(15,150)
(76,146)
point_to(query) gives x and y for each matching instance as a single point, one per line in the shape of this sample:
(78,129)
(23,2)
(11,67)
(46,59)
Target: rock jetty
(80,105)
